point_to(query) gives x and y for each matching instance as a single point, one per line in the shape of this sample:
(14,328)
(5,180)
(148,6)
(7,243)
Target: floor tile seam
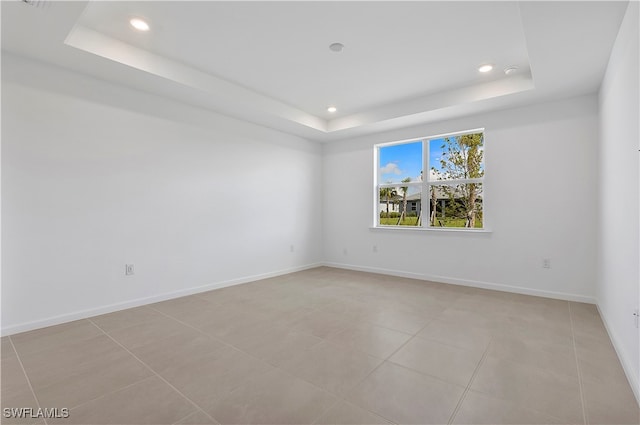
(448,344)
(24,373)
(128,326)
(347,346)
(404,345)
(317,418)
(223,342)
(82,338)
(413,335)
(366,409)
(274,367)
(291,375)
(392,354)
(340,329)
(529,365)
(535,349)
(456,409)
(108,393)
(200,331)
(512,401)
(585,416)
(347,396)
(394,329)
(156,374)
(535,367)
(524,406)
(29,357)
(216,338)
(603,341)
(528,407)
(465,323)
(183,418)
(192,413)
(333,394)
(422,338)
(437,378)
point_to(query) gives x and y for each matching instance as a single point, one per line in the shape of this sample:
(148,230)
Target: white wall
(95,176)
(540,202)
(619,240)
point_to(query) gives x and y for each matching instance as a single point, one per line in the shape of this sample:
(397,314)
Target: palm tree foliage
(388,195)
(462,159)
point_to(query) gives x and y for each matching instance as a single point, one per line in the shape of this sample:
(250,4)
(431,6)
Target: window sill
(429,229)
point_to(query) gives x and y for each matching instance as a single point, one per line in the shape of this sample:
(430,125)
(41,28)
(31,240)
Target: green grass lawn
(411,221)
(456,222)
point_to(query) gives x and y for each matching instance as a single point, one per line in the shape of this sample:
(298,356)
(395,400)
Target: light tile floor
(326,346)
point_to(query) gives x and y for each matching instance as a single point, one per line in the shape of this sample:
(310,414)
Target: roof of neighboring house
(391,198)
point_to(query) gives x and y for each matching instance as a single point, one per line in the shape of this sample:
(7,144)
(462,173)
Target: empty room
(298,212)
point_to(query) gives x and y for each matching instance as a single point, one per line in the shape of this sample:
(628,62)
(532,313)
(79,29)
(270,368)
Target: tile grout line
(468,388)
(386,359)
(339,398)
(585,416)
(154,372)
(278,368)
(111,392)
(344,397)
(317,418)
(24,372)
(186,416)
(249,354)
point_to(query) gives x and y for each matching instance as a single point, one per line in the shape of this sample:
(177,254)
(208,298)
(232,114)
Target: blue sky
(400,161)
(435,153)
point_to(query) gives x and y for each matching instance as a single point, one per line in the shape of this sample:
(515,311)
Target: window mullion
(425,185)
(409,184)
(458,181)
(454,206)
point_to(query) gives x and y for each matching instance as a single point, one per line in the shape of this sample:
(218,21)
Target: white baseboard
(625,361)
(83,314)
(467,282)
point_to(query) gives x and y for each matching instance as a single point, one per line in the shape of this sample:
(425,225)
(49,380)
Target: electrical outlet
(291,248)
(344,251)
(128,269)
(546,263)
(375,248)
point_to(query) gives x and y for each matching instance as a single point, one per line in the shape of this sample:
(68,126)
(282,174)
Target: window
(449,195)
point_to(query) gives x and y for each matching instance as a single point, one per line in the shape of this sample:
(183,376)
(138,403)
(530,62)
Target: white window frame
(426,184)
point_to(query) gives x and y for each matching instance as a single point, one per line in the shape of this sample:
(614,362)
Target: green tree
(434,205)
(404,190)
(388,194)
(462,159)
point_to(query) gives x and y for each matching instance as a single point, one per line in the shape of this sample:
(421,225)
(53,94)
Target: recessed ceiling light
(510,70)
(332,109)
(336,47)
(139,24)
(485,68)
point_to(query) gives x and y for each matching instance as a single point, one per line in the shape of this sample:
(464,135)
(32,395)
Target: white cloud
(390,168)
(434,174)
